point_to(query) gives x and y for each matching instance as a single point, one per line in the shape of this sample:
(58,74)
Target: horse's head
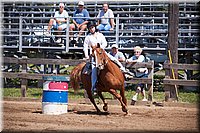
(100,57)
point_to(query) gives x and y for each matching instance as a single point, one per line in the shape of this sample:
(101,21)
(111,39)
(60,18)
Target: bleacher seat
(139,23)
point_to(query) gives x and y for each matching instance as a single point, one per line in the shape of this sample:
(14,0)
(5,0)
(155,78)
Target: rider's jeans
(94,74)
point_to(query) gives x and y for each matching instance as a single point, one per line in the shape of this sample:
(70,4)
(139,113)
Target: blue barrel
(55,95)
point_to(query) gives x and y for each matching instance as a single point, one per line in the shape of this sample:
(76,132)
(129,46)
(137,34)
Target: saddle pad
(87,69)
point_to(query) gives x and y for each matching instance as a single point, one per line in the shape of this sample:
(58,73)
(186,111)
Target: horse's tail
(75,76)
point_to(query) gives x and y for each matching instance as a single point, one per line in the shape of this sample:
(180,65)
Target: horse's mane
(107,58)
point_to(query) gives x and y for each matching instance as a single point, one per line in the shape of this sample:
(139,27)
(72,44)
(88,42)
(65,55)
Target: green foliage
(11,92)
(189,97)
(159,96)
(158,76)
(37,93)
(16,92)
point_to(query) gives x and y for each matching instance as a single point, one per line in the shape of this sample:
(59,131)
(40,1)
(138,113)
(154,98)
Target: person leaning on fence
(140,72)
(95,38)
(105,19)
(81,15)
(59,22)
(116,53)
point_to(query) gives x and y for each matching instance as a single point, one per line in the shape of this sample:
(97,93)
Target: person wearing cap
(105,19)
(93,39)
(140,72)
(80,17)
(59,22)
(116,53)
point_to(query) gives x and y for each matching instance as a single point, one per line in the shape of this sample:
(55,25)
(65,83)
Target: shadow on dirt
(37,112)
(92,113)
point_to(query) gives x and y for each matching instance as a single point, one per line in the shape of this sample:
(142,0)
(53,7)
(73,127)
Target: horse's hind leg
(119,97)
(105,107)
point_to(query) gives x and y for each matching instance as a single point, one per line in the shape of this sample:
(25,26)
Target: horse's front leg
(118,96)
(89,92)
(105,106)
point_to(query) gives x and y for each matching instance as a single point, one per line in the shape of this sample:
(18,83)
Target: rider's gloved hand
(86,58)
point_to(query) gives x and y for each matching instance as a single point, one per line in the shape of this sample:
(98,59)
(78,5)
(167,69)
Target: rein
(105,58)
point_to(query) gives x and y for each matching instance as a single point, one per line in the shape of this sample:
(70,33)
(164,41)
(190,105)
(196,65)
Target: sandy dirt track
(26,115)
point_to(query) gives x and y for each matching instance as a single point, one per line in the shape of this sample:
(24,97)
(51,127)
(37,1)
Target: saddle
(87,69)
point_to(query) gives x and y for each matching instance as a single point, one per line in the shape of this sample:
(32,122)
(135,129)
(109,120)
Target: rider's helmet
(90,23)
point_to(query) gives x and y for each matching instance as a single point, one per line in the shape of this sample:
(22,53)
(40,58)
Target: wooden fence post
(150,86)
(170,93)
(24,80)
(173,24)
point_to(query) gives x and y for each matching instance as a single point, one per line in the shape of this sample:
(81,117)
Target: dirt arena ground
(25,115)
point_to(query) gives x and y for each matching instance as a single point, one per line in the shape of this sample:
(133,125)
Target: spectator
(116,53)
(105,19)
(59,22)
(81,15)
(93,39)
(140,72)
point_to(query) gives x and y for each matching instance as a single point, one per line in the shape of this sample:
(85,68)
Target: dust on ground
(26,115)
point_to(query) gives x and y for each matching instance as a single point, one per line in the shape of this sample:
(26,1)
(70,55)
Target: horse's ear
(98,45)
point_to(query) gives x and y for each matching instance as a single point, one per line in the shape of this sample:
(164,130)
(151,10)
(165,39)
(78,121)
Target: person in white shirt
(105,19)
(116,53)
(140,72)
(59,22)
(93,39)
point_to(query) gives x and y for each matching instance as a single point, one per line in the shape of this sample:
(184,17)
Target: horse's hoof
(127,114)
(98,112)
(105,107)
(124,109)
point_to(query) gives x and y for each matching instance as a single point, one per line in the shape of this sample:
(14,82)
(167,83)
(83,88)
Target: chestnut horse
(110,79)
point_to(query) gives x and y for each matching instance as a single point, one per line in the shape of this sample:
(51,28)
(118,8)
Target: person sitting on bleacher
(116,53)
(105,19)
(140,72)
(59,22)
(81,15)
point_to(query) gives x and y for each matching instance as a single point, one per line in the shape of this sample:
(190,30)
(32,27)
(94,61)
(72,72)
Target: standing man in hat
(80,20)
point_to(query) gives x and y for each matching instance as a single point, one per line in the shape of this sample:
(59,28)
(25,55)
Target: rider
(92,39)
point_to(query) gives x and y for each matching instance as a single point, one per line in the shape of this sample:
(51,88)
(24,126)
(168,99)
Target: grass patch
(189,97)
